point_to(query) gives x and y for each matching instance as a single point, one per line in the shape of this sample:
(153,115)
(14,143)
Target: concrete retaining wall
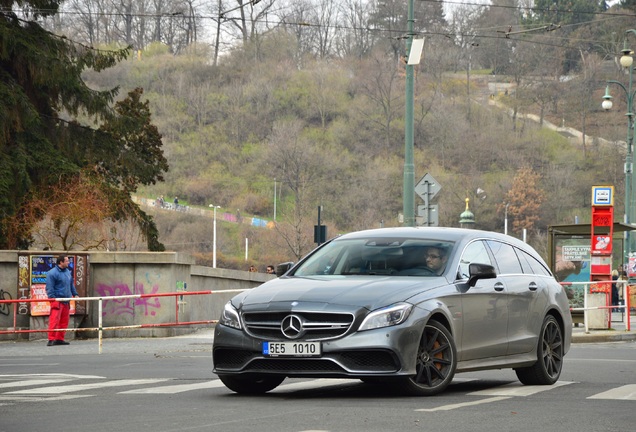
(125,273)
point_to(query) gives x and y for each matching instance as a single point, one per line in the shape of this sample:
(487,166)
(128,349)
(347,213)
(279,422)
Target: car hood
(370,292)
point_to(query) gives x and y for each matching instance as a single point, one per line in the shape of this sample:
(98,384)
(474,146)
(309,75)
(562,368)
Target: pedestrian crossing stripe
(173,389)
(518,389)
(626,392)
(90,386)
(52,387)
(35,382)
(13,399)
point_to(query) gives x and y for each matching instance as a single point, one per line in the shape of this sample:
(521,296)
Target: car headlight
(386,317)
(230,317)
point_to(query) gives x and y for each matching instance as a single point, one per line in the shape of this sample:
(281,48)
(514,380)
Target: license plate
(292,349)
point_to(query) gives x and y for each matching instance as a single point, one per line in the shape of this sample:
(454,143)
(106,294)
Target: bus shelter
(572,243)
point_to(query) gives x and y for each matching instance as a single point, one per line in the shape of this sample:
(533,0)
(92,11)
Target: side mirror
(480,271)
(283,268)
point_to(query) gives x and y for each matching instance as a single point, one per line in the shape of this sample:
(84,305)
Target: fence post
(99,324)
(585,317)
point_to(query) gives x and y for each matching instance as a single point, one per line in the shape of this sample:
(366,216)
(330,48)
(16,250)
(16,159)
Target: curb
(602,336)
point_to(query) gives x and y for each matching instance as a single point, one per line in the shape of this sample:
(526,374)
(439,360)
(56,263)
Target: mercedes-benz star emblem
(292,327)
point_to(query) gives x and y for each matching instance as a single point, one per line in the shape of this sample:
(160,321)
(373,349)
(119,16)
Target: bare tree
(326,18)
(246,16)
(356,39)
(298,164)
(381,85)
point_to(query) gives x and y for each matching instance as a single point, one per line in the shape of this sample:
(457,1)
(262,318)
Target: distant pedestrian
(270,270)
(614,289)
(253,269)
(59,284)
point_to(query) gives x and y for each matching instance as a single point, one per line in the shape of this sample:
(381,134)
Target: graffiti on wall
(24,283)
(5,307)
(126,306)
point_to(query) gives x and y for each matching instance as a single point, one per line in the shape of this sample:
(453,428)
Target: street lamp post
(214,236)
(408,205)
(627,61)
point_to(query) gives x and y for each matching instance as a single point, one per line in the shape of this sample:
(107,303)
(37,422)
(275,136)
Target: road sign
(429,214)
(427,188)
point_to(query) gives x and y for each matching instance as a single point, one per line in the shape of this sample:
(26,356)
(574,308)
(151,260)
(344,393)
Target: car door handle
(533,286)
(499,286)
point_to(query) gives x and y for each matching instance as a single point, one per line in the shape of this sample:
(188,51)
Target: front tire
(251,384)
(547,369)
(436,362)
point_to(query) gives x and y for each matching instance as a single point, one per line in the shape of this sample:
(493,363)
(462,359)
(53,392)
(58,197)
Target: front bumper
(384,352)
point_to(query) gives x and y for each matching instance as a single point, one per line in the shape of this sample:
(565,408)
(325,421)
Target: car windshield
(378,256)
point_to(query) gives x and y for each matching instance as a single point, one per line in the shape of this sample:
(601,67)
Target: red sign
(602,230)
(601,287)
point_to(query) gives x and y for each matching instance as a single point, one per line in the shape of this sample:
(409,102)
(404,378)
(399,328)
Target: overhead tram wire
(215,17)
(396,33)
(527,8)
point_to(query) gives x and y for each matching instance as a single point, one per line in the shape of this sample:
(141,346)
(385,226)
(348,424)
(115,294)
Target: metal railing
(178,296)
(626,307)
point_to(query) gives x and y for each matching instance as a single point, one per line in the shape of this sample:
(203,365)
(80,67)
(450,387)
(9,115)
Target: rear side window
(506,257)
(530,264)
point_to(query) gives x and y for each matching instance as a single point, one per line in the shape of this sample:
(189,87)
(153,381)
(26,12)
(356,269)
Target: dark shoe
(51,343)
(61,342)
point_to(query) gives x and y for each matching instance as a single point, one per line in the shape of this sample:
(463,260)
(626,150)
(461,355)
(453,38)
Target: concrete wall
(126,273)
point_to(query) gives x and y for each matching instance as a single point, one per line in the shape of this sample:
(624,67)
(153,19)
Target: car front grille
(345,362)
(316,325)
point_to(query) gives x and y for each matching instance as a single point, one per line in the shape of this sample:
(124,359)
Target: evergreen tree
(391,17)
(566,12)
(629,4)
(53,126)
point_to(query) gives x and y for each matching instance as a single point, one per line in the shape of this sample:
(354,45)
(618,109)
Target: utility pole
(409,170)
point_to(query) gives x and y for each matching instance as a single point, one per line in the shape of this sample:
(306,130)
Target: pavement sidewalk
(616,333)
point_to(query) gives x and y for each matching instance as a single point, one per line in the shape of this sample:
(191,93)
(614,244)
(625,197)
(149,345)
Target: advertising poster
(38,291)
(40,265)
(572,260)
(572,264)
(631,267)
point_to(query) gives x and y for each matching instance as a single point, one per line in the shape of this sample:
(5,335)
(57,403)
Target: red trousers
(58,319)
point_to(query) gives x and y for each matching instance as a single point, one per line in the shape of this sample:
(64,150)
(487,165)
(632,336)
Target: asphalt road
(166,384)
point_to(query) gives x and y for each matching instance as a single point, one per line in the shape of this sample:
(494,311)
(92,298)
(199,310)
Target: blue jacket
(59,283)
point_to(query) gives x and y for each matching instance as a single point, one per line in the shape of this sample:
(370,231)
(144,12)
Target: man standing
(59,284)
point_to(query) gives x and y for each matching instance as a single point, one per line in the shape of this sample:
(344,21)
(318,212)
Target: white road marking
(518,389)
(90,386)
(35,382)
(461,405)
(499,393)
(179,388)
(13,399)
(51,375)
(317,383)
(626,392)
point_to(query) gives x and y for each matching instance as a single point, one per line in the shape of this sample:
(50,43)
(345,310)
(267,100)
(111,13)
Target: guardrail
(626,299)
(100,328)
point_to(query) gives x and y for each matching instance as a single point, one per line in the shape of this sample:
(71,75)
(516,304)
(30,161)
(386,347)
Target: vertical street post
(409,170)
(630,203)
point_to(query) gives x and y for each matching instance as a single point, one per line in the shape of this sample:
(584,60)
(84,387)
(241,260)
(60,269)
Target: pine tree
(53,126)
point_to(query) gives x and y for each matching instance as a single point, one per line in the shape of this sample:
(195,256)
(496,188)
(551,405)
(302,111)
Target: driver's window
(474,253)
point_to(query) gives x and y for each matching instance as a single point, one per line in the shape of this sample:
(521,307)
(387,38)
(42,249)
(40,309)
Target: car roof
(437,233)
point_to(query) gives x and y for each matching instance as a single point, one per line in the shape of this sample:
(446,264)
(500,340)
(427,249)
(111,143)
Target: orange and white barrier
(586,291)
(100,300)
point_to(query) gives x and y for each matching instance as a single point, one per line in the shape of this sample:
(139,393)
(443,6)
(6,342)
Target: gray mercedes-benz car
(407,306)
